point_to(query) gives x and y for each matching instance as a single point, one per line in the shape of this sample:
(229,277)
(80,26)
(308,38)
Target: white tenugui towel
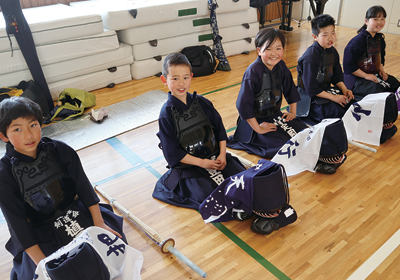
(301,152)
(114,252)
(363,120)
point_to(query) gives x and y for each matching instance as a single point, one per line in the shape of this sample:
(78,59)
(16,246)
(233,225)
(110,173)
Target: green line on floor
(220,89)
(253,253)
(230,129)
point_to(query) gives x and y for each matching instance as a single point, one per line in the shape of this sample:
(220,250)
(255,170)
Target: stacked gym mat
(96,43)
(73,48)
(158,27)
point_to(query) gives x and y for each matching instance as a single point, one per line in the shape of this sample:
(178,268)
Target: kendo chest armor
(41,187)
(194,131)
(371,59)
(268,100)
(325,71)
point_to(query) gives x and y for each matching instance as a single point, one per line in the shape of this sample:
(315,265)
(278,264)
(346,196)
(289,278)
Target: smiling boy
(42,180)
(318,69)
(193,140)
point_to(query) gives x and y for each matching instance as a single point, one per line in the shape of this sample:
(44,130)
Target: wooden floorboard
(343,219)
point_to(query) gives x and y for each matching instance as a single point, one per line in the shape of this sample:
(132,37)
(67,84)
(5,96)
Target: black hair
(18,107)
(268,36)
(373,12)
(174,59)
(321,21)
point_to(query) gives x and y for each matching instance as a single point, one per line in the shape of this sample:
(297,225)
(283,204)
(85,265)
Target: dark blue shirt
(252,82)
(172,150)
(309,64)
(355,49)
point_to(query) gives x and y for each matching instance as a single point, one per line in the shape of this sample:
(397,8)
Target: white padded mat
(164,30)
(61,51)
(175,44)
(150,67)
(75,67)
(92,81)
(124,14)
(54,23)
(123,116)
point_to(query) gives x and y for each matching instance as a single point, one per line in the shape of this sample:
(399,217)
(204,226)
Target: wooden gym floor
(343,219)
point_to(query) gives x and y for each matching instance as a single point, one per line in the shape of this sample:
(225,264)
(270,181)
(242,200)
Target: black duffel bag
(202,60)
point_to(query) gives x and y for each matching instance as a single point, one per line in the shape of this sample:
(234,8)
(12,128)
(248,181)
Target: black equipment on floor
(287,6)
(319,8)
(261,6)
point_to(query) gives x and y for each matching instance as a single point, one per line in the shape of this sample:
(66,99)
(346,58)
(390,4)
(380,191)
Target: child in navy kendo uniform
(193,140)
(262,128)
(363,65)
(46,197)
(318,68)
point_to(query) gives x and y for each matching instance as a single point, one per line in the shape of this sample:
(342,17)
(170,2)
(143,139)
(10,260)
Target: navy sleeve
(337,69)
(383,50)
(352,52)
(311,61)
(13,210)
(171,149)
(289,88)
(251,84)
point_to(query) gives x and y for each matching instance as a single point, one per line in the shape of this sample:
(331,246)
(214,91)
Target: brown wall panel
(272,11)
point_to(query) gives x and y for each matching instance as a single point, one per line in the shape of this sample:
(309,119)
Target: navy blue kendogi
(318,69)
(186,185)
(49,209)
(366,53)
(265,145)
(260,96)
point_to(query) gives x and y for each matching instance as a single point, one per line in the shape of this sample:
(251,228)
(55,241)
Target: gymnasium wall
(351,13)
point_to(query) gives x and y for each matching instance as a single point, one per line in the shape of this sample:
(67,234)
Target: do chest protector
(194,131)
(268,100)
(40,184)
(371,60)
(325,71)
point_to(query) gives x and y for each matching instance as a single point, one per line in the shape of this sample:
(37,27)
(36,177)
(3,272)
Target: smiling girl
(262,128)
(364,58)
(363,61)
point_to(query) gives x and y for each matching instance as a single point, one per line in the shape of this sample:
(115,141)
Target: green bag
(71,104)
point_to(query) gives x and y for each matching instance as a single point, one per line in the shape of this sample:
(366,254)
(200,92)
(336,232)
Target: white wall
(394,18)
(296,11)
(351,13)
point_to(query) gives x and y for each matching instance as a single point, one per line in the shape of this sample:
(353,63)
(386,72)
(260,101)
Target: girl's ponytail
(362,27)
